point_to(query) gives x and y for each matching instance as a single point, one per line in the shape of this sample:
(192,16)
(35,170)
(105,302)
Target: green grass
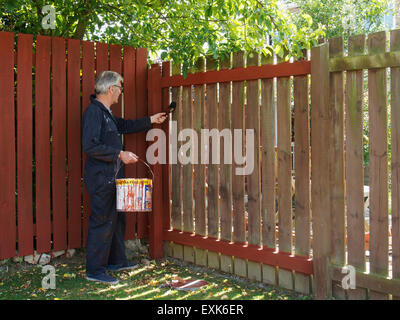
(20,281)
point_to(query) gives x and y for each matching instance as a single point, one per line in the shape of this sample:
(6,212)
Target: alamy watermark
(349,280)
(49,281)
(197,149)
(49,20)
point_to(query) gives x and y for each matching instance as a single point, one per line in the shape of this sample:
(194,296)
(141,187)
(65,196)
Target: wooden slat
(302,175)
(284,69)
(267,114)
(252,116)
(370,61)
(320,192)
(24,143)
(176,168)
(129,100)
(395,165)
(74,143)
(237,114)
(59,148)
(378,163)
(141,111)
(88,68)
(8,228)
(212,179)
(42,144)
(226,154)
(284,157)
(166,168)
(336,170)
(187,169)
(101,57)
(116,65)
(200,168)
(354,164)
(156,217)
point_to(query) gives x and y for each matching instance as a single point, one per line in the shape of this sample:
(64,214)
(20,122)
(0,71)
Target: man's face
(116,91)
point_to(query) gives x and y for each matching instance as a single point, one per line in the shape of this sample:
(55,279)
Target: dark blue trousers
(105,240)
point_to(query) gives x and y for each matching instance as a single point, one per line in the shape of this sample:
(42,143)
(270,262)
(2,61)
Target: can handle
(120,164)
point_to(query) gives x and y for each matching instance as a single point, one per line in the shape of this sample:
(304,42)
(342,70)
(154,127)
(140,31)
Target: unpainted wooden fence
(253,226)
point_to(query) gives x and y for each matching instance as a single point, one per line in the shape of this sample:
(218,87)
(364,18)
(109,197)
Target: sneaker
(104,278)
(119,267)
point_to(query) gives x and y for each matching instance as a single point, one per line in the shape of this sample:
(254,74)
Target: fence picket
(200,168)
(302,176)
(378,163)
(176,169)
(8,230)
(24,144)
(42,144)
(129,112)
(354,164)
(211,107)
(59,147)
(74,142)
(141,144)
(225,183)
(88,77)
(252,122)
(395,165)
(187,170)
(238,186)
(267,122)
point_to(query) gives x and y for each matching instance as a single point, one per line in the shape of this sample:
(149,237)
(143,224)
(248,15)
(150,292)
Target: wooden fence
(366,81)
(253,225)
(272,225)
(227,221)
(45,87)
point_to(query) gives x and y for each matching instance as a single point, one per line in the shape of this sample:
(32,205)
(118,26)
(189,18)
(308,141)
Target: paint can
(133,194)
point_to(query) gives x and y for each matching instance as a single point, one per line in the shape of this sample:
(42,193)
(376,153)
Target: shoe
(119,267)
(104,278)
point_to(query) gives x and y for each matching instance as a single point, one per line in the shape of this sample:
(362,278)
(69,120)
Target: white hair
(105,80)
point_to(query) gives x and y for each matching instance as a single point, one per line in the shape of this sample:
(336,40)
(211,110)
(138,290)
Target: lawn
(22,281)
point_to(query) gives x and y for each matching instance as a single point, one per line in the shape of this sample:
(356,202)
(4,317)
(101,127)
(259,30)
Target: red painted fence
(45,87)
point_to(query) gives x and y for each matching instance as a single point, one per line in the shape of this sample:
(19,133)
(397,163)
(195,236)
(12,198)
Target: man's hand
(159,118)
(128,157)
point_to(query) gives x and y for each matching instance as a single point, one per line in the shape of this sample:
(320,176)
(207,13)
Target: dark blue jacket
(101,141)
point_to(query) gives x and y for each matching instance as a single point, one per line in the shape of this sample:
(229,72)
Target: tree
(180,30)
(343,17)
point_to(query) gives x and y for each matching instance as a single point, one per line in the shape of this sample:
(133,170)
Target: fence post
(320,188)
(156,216)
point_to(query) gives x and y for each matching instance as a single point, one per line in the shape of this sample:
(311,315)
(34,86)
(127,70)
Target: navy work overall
(101,141)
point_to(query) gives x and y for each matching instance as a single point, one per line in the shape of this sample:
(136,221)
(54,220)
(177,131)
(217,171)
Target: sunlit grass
(150,282)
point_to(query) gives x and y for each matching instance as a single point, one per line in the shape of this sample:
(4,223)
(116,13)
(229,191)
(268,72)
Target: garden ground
(22,281)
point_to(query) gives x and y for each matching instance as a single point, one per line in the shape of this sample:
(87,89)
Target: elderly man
(101,141)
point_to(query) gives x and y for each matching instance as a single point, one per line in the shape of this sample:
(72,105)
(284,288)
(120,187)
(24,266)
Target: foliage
(344,17)
(178,30)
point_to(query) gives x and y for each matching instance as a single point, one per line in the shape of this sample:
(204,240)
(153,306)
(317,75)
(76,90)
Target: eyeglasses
(120,88)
